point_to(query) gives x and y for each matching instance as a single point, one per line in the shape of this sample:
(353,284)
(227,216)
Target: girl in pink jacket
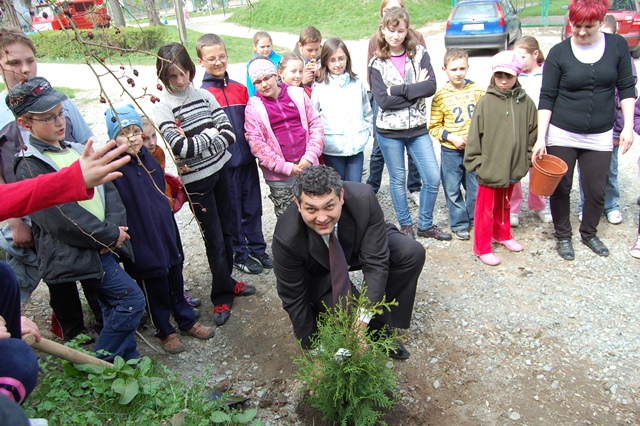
(283,130)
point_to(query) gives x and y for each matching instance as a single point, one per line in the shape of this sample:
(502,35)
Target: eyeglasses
(263,80)
(341,59)
(53,119)
(221,59)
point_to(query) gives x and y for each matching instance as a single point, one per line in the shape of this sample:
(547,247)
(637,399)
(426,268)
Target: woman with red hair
(576,115)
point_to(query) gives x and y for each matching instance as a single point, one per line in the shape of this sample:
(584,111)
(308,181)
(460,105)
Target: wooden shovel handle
(62,351)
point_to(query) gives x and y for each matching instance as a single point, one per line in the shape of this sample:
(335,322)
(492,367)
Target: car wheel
(505,45)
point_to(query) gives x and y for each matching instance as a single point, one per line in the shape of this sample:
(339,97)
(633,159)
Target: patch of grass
(349,20)
(532,9)
(240,49)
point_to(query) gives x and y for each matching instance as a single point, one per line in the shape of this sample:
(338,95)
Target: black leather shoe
(565,249)
(596,246)
(265,260)
(399,351)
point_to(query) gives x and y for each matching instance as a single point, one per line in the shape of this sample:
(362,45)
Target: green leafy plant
(135,392)
(352,387)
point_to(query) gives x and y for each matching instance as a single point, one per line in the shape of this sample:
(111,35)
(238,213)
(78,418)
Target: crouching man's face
(321,212)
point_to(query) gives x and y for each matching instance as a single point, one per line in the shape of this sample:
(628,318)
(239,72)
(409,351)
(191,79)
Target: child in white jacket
(341,99)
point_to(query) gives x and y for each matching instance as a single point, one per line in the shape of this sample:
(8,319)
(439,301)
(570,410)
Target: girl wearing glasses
(283,130)
(341,99)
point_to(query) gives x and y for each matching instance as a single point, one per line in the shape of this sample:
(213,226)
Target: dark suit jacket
(302,257)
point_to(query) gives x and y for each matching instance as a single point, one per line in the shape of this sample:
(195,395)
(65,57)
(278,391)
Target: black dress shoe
(596,246)
(399,351)
(265,260)
(565,249)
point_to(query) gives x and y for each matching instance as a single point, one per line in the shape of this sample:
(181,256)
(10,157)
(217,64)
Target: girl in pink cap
(503,130)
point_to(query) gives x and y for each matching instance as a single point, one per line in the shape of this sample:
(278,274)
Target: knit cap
(36,95)
(507,61)
(127,115)
(261,67)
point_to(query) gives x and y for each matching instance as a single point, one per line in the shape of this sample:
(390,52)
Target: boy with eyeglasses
(18,63)
(248,242)
(77,241)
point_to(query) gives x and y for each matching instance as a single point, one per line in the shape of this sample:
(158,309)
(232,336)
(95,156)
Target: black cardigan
(582,96)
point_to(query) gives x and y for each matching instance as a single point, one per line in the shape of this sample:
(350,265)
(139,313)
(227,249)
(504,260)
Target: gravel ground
(535,340)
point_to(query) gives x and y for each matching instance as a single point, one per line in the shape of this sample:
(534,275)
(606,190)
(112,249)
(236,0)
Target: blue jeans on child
(420,148)
(376,162)
(122,305)
(454,176)
(349,168)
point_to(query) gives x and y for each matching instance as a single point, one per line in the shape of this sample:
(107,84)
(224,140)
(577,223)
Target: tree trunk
(116,13)
(182,28)
(10,15)
(152,12)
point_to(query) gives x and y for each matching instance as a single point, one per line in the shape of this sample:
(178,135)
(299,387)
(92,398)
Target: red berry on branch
(159,87)
(103,100)
(144,136)
(122,67)
(114,119)
(118,31)
(90,35)
(184,169)
(135,72)
(101,59)
(204,210)
(177,122)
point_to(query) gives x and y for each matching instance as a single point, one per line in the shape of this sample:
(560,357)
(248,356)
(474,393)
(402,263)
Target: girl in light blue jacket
(342,101)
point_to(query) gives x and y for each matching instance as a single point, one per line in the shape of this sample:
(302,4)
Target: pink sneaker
(512,245)
(489,259)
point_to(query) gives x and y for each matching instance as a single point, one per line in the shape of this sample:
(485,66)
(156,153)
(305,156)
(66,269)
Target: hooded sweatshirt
(503,131)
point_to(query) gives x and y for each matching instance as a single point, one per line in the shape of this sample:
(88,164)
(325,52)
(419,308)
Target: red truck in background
(81,14)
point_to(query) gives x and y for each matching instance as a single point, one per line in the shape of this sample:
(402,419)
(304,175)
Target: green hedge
(63,45)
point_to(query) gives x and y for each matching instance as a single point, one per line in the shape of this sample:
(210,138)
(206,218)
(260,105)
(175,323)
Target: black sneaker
(434,232)
(244,289)
(221,314)
(596,246)
(463,234)
(265,260)
(250,266)
(409,231)
(565,249)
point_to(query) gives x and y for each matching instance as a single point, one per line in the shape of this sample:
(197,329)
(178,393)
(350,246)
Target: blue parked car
(483,24)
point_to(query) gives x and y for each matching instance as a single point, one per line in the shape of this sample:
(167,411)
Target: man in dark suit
(390,261)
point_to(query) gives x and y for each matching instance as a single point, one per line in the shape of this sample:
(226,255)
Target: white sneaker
(515,220)
(544,215)
(415,197)
(635,250)
(614,217)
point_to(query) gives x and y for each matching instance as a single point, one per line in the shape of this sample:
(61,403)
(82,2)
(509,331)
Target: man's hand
(21,233)
(30,327)
(4,333)
(99,166)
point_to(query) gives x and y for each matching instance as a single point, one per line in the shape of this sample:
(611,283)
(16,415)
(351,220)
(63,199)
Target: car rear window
(475,11)
(622,5)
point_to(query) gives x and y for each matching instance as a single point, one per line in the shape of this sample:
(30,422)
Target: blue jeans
(376,162)
(122,305)
(420,148)
(349,168)
(454,176)
(611,190)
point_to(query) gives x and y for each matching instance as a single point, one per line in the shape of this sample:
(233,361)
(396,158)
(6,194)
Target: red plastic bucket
(546,174)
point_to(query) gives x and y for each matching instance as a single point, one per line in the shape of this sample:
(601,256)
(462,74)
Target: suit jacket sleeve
(292,287)
(373,247)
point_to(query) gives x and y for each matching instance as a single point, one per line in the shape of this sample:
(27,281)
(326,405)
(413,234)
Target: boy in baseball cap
(77,241)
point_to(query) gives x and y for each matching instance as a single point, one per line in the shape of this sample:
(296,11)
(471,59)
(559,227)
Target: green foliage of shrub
(56,45)
(135,392)
(349,390)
